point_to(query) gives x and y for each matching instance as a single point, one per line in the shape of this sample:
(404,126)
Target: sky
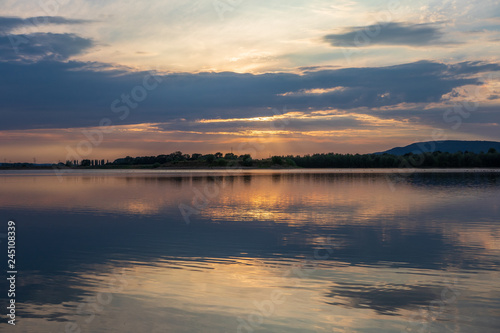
(106,79)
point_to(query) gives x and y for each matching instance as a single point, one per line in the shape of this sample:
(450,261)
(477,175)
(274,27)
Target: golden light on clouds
(317,91)
(276,132)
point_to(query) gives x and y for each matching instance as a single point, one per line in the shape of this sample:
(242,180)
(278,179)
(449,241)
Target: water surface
(255,251)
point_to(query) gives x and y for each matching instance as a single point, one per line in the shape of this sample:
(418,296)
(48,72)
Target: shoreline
(222,170)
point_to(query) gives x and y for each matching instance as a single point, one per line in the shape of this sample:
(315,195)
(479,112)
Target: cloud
(31,45)
(42,46)
(392,33)
(8,24)
(481,121)
(288,123)
(49,94)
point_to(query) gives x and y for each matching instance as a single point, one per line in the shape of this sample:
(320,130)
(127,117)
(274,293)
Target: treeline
(437,159)
(178,158)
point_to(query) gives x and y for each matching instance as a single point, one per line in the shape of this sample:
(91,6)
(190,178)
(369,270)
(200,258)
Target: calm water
(254,251)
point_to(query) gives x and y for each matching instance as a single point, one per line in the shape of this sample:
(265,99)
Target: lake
(253,250)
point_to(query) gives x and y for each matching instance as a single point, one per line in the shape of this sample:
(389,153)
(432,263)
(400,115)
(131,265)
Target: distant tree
(177,156)
(290,162)
(85,163)
(218,155)
(246,160)
(195,157)
(210,158)
(277,160)
(221,162)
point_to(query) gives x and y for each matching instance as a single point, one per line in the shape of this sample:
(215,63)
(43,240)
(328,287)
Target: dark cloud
(42,46)
(477,119)
(287,124)
(393,33)
(49,94)
(316,68)
(29,45)
(471,66)
(9,23)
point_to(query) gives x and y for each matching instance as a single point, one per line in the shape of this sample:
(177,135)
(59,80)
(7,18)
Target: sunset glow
(350,76)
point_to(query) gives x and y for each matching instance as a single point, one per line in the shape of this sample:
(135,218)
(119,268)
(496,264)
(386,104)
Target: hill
(450,146)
